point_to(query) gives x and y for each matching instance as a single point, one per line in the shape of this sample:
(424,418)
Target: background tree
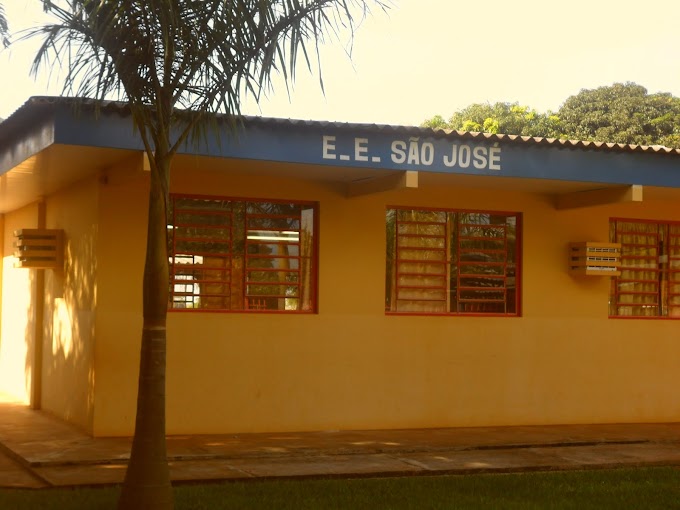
(175,62)
(620,113)
(509,118)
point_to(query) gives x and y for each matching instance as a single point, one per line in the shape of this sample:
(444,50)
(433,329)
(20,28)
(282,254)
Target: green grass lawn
(642,489)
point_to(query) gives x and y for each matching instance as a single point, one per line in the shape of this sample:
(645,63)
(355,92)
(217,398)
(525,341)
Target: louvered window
(236,255)
(649,284)
(452,262)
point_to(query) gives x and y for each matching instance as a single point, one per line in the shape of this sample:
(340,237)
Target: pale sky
(430,57)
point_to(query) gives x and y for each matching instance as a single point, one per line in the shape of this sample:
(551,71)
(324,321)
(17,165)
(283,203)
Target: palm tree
(4,27)
(175,62)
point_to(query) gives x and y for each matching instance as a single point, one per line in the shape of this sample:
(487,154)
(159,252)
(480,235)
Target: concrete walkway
(37,451)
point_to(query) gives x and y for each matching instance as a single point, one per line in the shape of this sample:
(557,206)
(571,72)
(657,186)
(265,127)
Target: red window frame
(450,276)
(226,256)
(650,269)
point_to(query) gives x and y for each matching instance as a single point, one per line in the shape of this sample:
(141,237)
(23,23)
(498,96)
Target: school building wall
(2,264)
(351,366)
(17,329)
(70,301)
(47,329)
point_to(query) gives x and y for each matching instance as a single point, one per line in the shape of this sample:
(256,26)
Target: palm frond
(4,27)
(168,56)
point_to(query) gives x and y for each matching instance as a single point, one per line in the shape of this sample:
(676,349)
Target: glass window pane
(406,306)
(647,253)
(438,259)
(638,298)
(273,262)
(482,294)
(494,269)
(270,276)
(480,281)
(273,224)
(282,249)
(483,307)
(422,294)
(427,229)
(216,245)
(264,303)
(424,268)
(421,242)
(424,255)
(422,281)
(202,219)
(274,208)
(404,215)
(272,289)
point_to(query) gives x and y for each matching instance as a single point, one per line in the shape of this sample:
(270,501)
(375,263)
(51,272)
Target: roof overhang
(103,133)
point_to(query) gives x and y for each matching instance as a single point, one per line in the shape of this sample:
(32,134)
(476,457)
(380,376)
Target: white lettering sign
(328,146)
(415,153)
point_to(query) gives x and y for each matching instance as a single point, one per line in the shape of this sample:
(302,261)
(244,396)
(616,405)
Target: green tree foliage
(436,122)
(620,113)
(175,62)
(509,118)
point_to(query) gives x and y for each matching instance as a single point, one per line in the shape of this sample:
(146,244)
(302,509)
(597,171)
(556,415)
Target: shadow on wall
(68,332)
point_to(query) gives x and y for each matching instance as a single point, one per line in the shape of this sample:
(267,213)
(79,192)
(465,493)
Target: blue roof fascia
(91,128)
(18,146)
(334,145)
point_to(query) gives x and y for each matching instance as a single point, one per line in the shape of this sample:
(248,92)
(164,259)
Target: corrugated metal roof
(34,105)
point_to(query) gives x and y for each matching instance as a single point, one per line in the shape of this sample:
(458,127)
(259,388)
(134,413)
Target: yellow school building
(329,276)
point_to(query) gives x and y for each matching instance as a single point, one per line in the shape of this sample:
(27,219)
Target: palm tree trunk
(147,480)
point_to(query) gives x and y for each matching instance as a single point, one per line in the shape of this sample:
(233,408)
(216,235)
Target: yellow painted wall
(2,256)
(17,330)
(352,367)
(70,302)
(120,255)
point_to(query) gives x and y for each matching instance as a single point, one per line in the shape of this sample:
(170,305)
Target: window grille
(649,284)
(421,261)
(483,264)
(451,262)
(238,255)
